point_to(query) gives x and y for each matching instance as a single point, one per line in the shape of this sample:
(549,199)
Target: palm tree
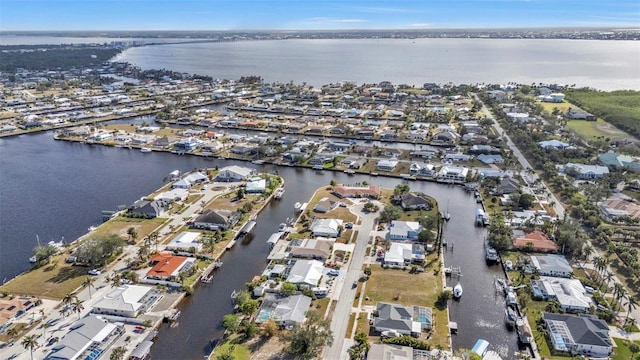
(88,283)
(608,277)
(115,279)
(118,353)
(12,332)
(632,304)
(30,342)
(45,326)
(77,307)
(619,293)
(68,299)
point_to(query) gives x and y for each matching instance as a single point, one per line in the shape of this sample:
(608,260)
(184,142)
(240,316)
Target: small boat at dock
(146,150)
(510,317)
(457,291)
(278,193)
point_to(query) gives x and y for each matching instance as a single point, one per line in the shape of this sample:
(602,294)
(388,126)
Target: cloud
(327,20)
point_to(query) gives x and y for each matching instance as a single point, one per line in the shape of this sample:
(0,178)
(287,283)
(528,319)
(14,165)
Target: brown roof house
(535,240)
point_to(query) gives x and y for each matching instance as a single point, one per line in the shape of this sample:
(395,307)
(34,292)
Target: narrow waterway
(54,188)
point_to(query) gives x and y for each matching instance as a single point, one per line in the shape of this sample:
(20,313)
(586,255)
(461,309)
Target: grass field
(401,287)
(119,226)
(591,129)
(621,351)
(237,351)
(563,106)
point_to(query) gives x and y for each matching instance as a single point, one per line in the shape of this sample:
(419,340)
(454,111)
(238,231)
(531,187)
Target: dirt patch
(268,349)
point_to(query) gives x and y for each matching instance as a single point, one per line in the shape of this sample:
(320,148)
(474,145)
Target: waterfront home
(306,273)
(422,169)
(214,219)
(585,172)
(457,157)
(167,197)
(366,191)
(87,338)
(405,320)
(472,138)
(454,173)
(535,240)
(244,150)
(212,147)
(294,155)
(168,267)
(234,173)
(582,334)
(569,293)
(508,185)
(386,165)
(394,153)
(126,301)
(353,162)
(318,249)
(325,205)
(256,185)
(12,308)
(404,230)
(147,209)
(326,227)
(101,135)
(490,159)
(338,146)
(423,154)
(285,311)
(142,139)
(189,180)
(446,137)
(321,159)
(188,144)
(414,201)
(185,241)
(390,351)
(402,254)
(549,265)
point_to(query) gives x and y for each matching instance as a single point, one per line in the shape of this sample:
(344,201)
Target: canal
(54,188)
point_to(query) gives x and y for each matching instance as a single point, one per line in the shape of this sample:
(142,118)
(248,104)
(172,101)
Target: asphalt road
(340,318)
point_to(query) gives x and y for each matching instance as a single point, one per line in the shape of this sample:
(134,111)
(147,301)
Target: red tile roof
(166,264)
(539,239)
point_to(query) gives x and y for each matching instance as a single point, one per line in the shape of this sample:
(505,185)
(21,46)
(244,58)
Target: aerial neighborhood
(363,266)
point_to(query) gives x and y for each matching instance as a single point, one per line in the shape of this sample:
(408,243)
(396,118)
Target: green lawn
(238,352)
(621,351)
(591,129)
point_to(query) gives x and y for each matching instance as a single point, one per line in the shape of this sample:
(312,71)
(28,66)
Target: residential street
(340,318)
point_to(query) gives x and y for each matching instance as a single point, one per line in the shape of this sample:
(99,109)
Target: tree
(390,212)
(133,234)
(88,283)
(631,304)
(288,288)
(77,306)
(241,193)
(306,339)
(269,328)
(499,236)
(68,299)
(634,348)
(44,253)
(118,353)
(249,329)
(231,322)
(12,332)
(248,307)
(30,342)
(401,189)
(333,183)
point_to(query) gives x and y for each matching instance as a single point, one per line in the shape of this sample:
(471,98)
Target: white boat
(282,227)
(447,217)
(145,150)
(457,291)
(510,317)
(297,206)
(350,172)
(508,265)
(491,255)
(258,162)
(278,193)
(33,259)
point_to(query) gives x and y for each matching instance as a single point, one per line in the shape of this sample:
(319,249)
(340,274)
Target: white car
(94,272)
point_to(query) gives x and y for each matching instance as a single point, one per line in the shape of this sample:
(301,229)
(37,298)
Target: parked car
(355,285)
(348,225)
(94,272)
(333,272)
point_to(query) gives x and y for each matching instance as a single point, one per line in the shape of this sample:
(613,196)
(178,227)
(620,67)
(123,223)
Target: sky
(41,15)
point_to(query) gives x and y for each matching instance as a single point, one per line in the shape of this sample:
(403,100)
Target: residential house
(244,150)
(422,169)
(338,146)
(554,144)
(326,227)
(586,172)
(145,208)
(582,334)
(12,308)
(458,157)
(167,197)
(353,162)
(613,208)
(85,337)
(416,136)
(325,205)
(189,180)
(215,220)
(490,159)
(551,265)
(569,293)
(285,311)
(389,352)
(508,185)
(403,254)
(126,301)
(453,173)
(395,153)
(366,191)
(318,249)
(256,185)
(404,320)
(386,165)
(446,137)
(168,267)
(404,230)
(321,159)
(620,161)
(578,114)
(422,154)
(234,173)
(306,273)
(185,241)
(187,144)
(415,201)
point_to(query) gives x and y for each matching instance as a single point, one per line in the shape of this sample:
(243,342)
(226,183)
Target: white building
(326,227)
(127,301)
(185,241)
(455,173)
(235,173)
(86,337)
(306,273)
